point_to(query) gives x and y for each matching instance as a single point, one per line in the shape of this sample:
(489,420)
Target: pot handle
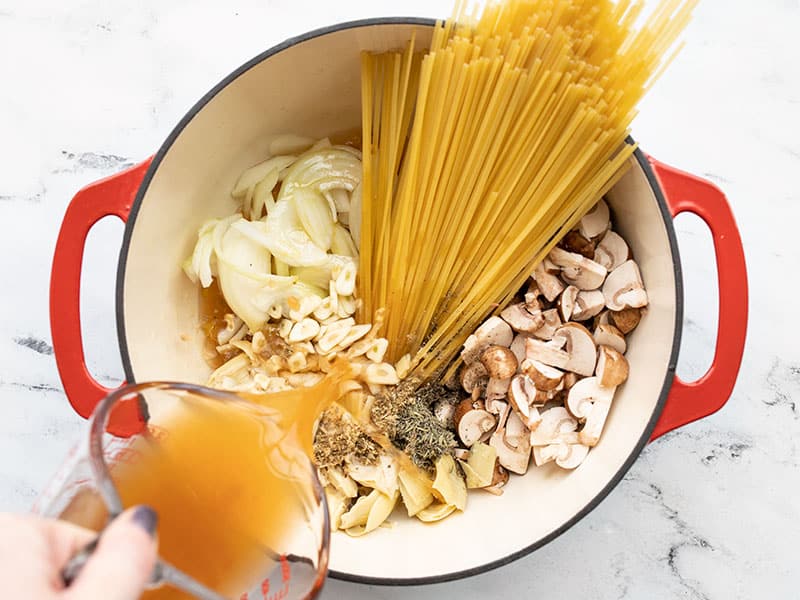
(113,195)
(688,402)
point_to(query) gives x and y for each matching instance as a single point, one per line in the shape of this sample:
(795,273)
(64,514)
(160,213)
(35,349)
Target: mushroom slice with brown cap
(532,302)
(574,241)
(518,346)
(552,321)
(556,422)
(624,288)
(473,424)
(499,479)
(493,332)
(474,376)
(499,362)
(626,319)
(584,394)
(608,335)
(612,367)
(521,394)
(516,432)
(580,347)
(596,221)
(544,376)
(612,251)
(497,389)
(578,270)
(588,303)
(549,353)
(515,459)
(571,455)
(547,280)
(593,428)
(566,302)
(520,319)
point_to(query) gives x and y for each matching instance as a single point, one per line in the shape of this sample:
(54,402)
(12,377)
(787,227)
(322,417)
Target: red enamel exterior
(689,402)
(113,195)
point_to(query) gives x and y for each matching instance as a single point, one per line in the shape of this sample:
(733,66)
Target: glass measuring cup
(242,514)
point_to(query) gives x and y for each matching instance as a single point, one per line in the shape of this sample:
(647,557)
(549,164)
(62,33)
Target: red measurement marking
(243,596)
(286,569)
(265,588)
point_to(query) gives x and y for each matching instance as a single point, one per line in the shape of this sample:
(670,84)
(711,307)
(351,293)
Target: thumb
(123,562)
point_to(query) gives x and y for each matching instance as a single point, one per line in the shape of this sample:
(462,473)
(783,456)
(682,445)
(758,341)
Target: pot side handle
(113,195)
(688,402)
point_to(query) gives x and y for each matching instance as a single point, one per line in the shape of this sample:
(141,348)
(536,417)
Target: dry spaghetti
(481,153)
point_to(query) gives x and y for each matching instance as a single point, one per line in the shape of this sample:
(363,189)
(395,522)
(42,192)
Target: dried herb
(339,439)
(405,416)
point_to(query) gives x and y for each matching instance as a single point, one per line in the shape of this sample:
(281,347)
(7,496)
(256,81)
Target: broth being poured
(231,482)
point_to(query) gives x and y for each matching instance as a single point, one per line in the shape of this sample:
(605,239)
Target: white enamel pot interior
(310,85)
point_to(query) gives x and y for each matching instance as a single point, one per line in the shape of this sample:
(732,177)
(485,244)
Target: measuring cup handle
(110,196)
(689,402)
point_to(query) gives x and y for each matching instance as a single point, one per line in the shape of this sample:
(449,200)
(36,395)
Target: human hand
(33,551)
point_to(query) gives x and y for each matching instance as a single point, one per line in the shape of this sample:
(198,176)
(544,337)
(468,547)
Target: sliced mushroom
(494,331)
(549,353)
(516,432)
(444,411)
(547,280)
(518,346)
(608,335)
(521,395)
(552,321)
(543,376)
(578,270)
(612,367)
(596,221)
(556,422)
(584,394)
(590,434)
(566,302)
(603,318)
(612,251)
(571,455)
(472,424)
(626,319)
(497,389)
(500,476)
(545,454)
(461,453)
(520,319)
(588,303)
(624,288)
(532,302)
(570,379)
(575,242)
(499,362)
(580,347)
(474,377)
(515,459)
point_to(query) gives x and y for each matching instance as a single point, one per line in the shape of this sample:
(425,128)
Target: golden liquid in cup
(231,486)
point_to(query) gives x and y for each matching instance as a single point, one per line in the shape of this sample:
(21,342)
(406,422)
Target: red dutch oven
(164,199)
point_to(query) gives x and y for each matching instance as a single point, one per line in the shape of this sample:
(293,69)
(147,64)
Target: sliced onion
(355,215)
(323,170)
(315,216)
(199,267)
(255,174)
(342,243)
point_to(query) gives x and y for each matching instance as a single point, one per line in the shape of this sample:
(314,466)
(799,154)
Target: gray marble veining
(708,512)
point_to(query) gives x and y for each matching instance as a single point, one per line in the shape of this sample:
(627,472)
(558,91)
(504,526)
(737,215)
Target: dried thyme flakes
(405,416)
(339,440)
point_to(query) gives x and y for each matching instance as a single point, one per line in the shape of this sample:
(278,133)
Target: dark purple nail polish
(146,518)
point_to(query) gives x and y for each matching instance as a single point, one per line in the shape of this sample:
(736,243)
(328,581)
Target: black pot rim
(665,388)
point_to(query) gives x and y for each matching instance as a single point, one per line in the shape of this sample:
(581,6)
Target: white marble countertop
(708,512)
